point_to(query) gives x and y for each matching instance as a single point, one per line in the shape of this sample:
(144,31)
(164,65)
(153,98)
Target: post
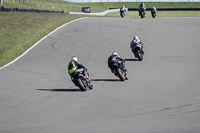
(1,2)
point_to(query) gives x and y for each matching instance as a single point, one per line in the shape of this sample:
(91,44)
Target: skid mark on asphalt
(32,72)
(161,110)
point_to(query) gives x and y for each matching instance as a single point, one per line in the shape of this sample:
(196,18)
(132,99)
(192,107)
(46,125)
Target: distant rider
(153,10)
(73,66)
(134,42)
(115,57)
(123,8)
(144,6)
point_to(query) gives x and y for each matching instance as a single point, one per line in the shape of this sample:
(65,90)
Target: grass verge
(19,31)
(59,5)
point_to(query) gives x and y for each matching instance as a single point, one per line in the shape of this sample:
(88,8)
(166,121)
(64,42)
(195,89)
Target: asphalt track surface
(162,94)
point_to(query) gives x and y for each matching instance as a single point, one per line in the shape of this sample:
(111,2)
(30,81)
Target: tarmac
(161,95)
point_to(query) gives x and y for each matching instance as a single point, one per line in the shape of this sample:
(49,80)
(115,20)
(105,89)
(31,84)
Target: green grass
(96,7)
(19,31)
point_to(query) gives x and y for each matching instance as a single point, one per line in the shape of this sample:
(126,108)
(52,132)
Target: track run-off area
(162,94)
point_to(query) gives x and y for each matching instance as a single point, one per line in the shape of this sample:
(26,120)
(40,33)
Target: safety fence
(86,1)
(23,2)
(17,1)
(2,8)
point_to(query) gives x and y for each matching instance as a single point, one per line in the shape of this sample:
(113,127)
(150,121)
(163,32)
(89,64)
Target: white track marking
(39,42)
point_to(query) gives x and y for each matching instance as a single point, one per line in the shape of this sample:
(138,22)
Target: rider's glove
(123,59)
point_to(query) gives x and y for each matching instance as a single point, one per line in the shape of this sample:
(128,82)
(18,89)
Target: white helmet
(74,58)
(135,38)
(114,53)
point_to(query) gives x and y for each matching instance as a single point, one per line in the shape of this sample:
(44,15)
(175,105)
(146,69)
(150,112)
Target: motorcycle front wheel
(140,56)
(81,84)
(153,15)
(120,74)
(122,14)
(142,15)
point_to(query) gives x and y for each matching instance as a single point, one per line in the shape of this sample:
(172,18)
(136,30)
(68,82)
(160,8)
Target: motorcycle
(122,13)
(138,52)
(120,70)
(153,14)
(81,79)
(142,12)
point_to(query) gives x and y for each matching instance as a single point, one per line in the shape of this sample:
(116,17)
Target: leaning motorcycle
(153,14)
(138,52)
(81,79)
(120,70)
(142,12)
(122,13)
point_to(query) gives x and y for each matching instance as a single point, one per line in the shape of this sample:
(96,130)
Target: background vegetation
(60,5)
(19,31)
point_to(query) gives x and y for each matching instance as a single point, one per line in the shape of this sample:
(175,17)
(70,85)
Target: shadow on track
(60,90)
(131,60)
(108,80)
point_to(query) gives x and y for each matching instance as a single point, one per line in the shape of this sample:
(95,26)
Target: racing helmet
(114,53)
(74,58)
(135,38)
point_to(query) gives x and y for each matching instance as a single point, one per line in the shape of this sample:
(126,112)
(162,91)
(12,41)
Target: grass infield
(19,31)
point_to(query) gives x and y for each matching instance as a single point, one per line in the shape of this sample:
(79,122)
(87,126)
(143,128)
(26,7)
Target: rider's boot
(143,51)
(90,85)
(74,81)
(126,77)
(134,52)
(112,71)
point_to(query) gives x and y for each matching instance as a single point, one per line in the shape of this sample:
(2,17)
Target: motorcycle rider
(114,57)
(122,11)
(123,8)
(134,42)
(73,66)
(142,5)
(153,10)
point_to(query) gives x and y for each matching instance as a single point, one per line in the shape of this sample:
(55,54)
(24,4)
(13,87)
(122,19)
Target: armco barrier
(96,14)
(2,8)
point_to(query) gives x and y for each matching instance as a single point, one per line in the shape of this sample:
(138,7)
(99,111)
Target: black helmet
(142,3)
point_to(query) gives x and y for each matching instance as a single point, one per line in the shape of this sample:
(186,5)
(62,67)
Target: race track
(162,94)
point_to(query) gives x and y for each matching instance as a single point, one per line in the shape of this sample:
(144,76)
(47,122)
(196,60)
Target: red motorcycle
(82,79)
